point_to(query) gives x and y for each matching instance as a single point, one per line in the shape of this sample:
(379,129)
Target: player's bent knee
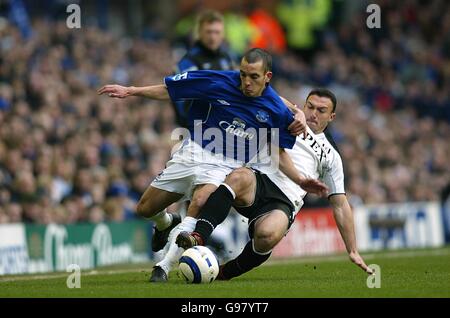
(265,240)
(240,178)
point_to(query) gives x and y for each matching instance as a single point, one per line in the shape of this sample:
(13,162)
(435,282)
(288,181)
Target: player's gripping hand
(298,126)
(358,260)
(314,186)
(116,91)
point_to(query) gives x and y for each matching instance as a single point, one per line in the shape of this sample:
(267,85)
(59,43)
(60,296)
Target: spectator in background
(239,31)
(61,150)
(3,216)
(270,33)
(302,19)
(207,53)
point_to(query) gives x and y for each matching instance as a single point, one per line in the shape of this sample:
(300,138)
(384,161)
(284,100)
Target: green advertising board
(53,247)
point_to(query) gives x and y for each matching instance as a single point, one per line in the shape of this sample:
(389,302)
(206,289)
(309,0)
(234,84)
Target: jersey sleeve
(283,117)
(286,140)
(190,85)
(333,175)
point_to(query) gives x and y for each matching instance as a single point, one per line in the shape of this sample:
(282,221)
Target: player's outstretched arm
(158,92)
(307,184)
(343,215)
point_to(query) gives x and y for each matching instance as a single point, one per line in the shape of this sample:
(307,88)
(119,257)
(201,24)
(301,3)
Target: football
(199,265)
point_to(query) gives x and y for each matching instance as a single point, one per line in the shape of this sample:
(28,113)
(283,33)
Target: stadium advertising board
(47,248)
(377,227)
(314,232)
(13,249)
(404,225)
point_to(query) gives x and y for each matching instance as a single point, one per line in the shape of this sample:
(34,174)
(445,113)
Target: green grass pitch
(404,273)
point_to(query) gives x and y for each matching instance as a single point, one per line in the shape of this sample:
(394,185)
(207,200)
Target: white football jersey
(315,158)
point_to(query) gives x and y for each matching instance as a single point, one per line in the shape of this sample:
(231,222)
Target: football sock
(214,211)
(174,252)
(248,259)
(162,220)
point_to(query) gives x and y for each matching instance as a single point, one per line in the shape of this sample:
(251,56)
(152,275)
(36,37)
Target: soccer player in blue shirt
(243,111)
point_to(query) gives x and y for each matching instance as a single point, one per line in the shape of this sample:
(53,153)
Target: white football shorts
(190,166)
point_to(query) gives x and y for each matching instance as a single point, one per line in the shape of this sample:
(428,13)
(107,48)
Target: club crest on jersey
(236,128)
(262,116)
(180,76)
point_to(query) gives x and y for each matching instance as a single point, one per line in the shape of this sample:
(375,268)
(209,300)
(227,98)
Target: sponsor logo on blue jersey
(236,128)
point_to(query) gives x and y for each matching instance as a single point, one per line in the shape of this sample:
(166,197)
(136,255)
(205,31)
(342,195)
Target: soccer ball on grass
(198,265)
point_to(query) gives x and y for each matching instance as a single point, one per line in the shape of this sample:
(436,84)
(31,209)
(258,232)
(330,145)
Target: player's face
(212,34)
(318,112)
(253,78)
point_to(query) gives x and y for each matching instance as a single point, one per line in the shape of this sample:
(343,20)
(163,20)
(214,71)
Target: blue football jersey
(232,124)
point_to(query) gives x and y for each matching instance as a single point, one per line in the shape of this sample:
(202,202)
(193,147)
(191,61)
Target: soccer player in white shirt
(271,200)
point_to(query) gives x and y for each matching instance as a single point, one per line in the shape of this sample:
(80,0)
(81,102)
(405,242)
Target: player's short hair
(207,16)
(323,92)
(256,54)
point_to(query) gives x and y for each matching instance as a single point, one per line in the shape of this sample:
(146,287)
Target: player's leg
(200,196)
(174,182)
(269,218)
(238,188)
(155,200)
(152,206)
(162,268)
(269,229)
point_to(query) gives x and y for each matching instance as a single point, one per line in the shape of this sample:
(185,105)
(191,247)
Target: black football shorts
(268,197)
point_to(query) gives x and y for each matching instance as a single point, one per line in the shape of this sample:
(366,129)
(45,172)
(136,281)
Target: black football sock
(247,260)
(214,211)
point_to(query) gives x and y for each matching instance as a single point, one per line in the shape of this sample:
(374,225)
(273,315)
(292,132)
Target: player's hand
(298,126)
(314,186)
(116,91)
(358,260)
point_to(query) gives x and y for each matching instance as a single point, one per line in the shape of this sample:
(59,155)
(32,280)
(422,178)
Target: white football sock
(174,252)
(162,220)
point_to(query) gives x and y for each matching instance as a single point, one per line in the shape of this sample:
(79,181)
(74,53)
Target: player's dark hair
(323,92)
(256,54)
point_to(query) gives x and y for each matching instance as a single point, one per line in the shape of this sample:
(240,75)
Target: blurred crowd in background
(68,155)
